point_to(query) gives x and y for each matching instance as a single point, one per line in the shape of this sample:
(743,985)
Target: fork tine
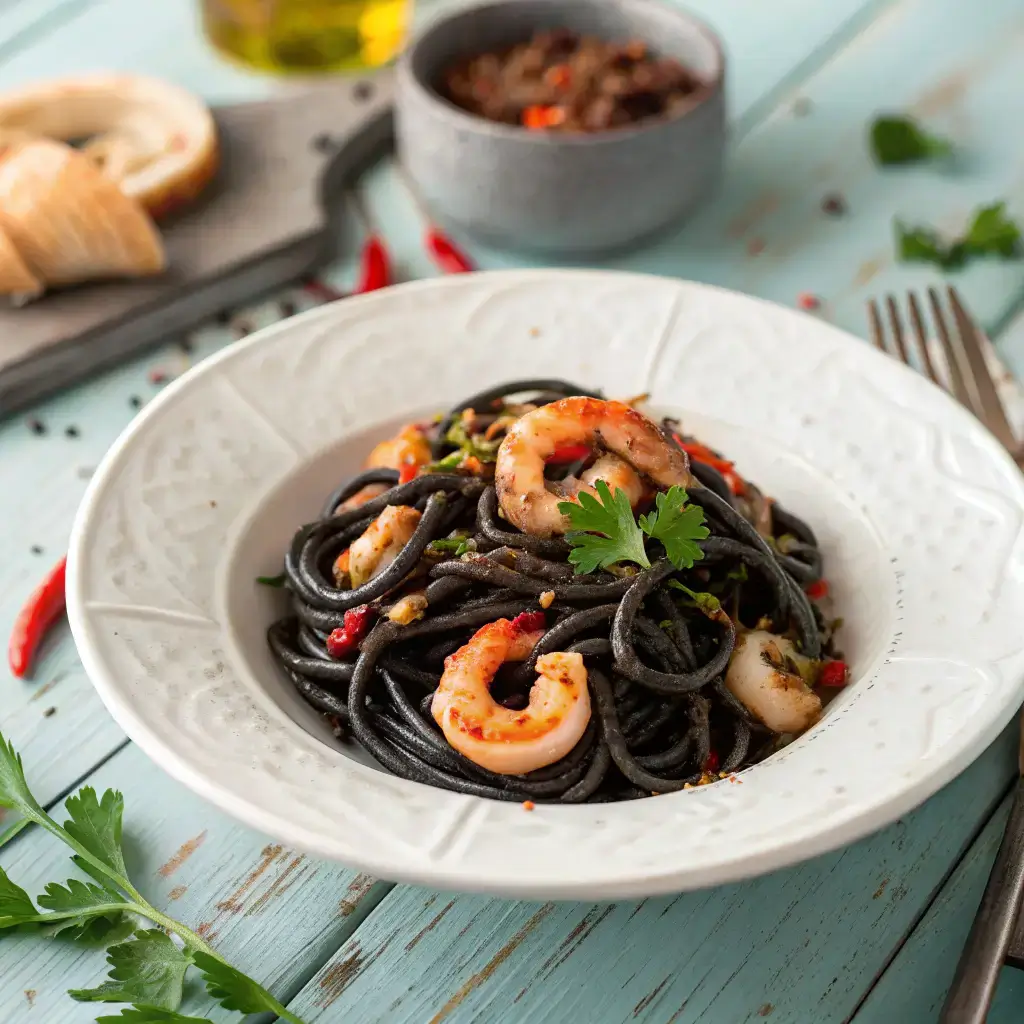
(922,338)
(953,357)
(989,408)
(875,322)
(897,329)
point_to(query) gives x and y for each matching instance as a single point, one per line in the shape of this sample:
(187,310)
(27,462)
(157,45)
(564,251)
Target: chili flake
(539,117)
(817,590)
(807,301)
(834,674)
(528,805)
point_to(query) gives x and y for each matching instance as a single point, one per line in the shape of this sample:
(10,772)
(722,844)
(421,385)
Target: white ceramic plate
(917,508)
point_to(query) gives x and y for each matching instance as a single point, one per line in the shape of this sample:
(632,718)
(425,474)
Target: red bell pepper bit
(817,590)
(834,674)
(407,472)
(344,640)
(448,257)
(568,453)
(529,622)
(712,763)
(40,611)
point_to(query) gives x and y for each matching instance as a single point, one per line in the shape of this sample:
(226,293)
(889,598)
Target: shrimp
(495,737)
(409,447)
(764,675)
(523,493)
(378,546)
(618,474)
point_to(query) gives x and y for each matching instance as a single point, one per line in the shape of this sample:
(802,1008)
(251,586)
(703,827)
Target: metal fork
(992,937)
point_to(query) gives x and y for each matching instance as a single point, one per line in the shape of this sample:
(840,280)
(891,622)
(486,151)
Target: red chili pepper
(568,453)
(529,622)
(35,618)
(446,254)
(345,639)
(834,674)
(817,590)
(374,266)
(407,472)
(712,762)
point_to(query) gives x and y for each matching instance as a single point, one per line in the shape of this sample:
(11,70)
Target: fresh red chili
(712,762)
(345,639)
(529,622)
(834,674)
(41,609)
(817,590)
(446,254)
(568,453)
(374,266)
(407,472)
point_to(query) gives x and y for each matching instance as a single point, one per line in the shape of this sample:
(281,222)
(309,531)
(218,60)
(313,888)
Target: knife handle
(974,983)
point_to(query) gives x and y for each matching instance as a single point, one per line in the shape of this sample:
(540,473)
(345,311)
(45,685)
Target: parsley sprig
(991,232)
(896,139)
(147,966)
(605,532)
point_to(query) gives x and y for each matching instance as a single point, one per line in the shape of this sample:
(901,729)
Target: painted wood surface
(807,944)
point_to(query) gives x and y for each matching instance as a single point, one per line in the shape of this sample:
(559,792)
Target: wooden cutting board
(268,218)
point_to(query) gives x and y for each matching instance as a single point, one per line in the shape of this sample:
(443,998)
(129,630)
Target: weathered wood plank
(270,910)
(915,984)
(799,945)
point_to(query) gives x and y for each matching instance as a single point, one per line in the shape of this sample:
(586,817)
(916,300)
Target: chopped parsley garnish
(990,233)
(900,140)
(605,531)
(272,581)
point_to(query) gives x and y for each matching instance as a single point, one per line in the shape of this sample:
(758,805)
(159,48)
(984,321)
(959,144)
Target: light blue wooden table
(871,933)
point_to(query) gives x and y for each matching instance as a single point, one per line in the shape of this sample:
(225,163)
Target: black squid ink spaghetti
(547,596)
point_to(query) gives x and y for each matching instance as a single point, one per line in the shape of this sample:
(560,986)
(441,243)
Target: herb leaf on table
(991,232)
(150,1015)
(900,140)
(149,969)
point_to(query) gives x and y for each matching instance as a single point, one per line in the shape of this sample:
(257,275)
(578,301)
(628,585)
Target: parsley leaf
(14,791)
(990,233)
(900,140)
(236,991)
(150,970)
(150,1015)
(16,906)
(77,905)
(678,526)
(475,445)
(993,233)
(96,825)
(604,531)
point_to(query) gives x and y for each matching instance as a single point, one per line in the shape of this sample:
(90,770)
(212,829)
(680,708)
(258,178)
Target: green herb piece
(447,464)
(900,140)
(990,233)
(273,581)
(993,233)
(475,445)
(739,573)
(678,526)
(449,546)
(236,991)
(151,1015)
(16,906)
(707,603)
(149,970)
(604,531)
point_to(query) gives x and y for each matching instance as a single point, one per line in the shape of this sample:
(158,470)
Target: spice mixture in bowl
(562,81)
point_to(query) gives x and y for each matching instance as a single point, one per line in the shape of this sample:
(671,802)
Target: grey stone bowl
(548,193)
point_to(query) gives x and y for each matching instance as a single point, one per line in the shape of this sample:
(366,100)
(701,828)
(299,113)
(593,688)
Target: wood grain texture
(799,945)
(270,910)
(915,985)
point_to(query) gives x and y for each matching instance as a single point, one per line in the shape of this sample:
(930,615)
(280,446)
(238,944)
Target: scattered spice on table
(834,204)
(287,308)
(135,402)
(37,426)
(561,81)
(49,712)
(807,301)
(36,549)
(157,376)
(324,143)
(85,472)
(44,605)
(71,431)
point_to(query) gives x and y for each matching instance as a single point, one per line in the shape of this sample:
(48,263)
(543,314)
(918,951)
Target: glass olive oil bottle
(305,36)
